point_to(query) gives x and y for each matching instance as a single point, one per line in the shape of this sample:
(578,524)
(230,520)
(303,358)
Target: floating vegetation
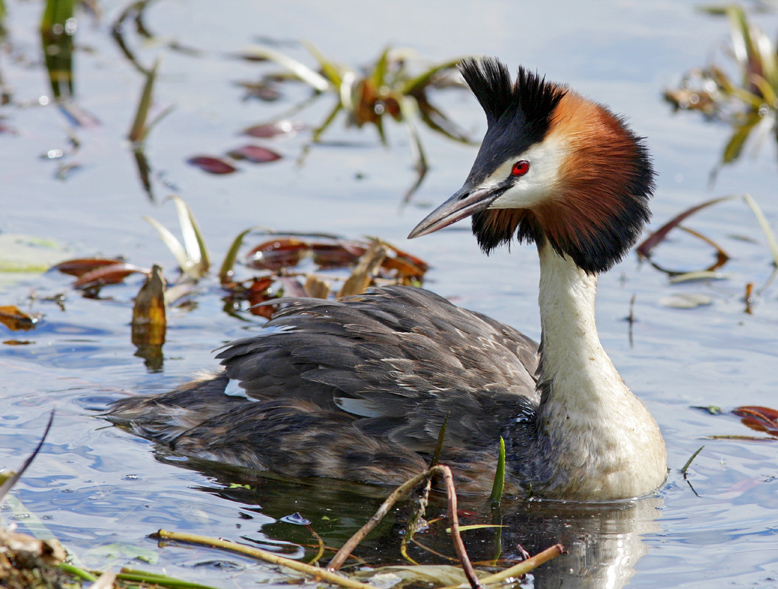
(211,164)
(149,322)
(142,126)
(385,88)
(761,419)
(308,264)
(282,264)
(17,320)
(755,417)
(218,166)
(428,575)
(746,99)
(192,257)
(135,13)
(94,273)
(254,154)
(646,249)
(29,562)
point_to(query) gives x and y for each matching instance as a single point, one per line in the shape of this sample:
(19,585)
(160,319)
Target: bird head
(552,167)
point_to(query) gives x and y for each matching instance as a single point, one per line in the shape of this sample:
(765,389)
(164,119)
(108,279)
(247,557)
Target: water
(102,491)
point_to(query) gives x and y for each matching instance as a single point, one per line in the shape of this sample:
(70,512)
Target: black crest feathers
(597,208)
(531,95)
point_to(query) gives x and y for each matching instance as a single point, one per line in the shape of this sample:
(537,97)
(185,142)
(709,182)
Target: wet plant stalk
(316,572)
(448,480)
(689,462)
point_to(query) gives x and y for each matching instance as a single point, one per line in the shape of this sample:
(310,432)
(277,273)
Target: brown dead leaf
(81,266)
(761,419)
(316,288)
(277,253)
(16,320)
(365,270)
(112,274)
(148,315)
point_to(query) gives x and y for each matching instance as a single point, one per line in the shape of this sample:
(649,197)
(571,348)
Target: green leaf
(57,12)
(689,462)
(421,81)
(477,527)
(229,260)
(139,129)
(409,110)
(170,240)
(499,477)
(768,56)
(197,252)
(317,133)
(379,71)
(439,444)
(741,39)
(766,90)
(738,140)
(299,70)
(331,71)
(765,225)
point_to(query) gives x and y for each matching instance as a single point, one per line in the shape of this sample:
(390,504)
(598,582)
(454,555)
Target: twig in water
(11,481)
(525,566)
(316,572)
(688,462)
(448,480)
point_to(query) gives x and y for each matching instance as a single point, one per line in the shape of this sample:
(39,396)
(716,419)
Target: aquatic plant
(746,98)
(386,87)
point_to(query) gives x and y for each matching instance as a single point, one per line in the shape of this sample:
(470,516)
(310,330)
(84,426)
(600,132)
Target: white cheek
(545,162)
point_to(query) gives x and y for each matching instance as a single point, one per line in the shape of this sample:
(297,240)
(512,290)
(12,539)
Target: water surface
(98,489)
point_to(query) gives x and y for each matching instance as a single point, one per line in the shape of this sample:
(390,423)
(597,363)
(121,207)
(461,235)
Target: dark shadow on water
(603,541)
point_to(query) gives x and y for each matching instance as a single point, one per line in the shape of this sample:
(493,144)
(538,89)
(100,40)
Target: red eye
(520,168)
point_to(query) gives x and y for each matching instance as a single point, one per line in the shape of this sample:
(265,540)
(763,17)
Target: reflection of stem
(117,32)
(497,523)
(58,53)
(317,133)
(302,105)
(144,171)
(409,110)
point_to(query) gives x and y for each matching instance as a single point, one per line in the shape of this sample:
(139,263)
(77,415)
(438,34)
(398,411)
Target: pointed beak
(466,202)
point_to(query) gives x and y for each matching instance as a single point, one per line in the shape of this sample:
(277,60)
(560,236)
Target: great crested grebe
(359,388)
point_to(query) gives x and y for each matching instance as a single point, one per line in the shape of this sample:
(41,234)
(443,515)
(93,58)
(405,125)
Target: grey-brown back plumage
(338,388)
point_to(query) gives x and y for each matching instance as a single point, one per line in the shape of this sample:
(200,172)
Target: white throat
(603,437)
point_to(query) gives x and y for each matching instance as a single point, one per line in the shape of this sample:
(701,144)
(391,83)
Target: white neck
(604,440)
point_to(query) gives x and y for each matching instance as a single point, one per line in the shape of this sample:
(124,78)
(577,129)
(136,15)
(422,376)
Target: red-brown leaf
(254,154)
(762,419)
(258,293)
(274,129)
(277,254)
(212,165)
(112,274)
(404,267)
(337,255)
(81,266)
(16,320)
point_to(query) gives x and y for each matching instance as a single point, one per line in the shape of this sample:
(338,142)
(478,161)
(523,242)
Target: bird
(360,388)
